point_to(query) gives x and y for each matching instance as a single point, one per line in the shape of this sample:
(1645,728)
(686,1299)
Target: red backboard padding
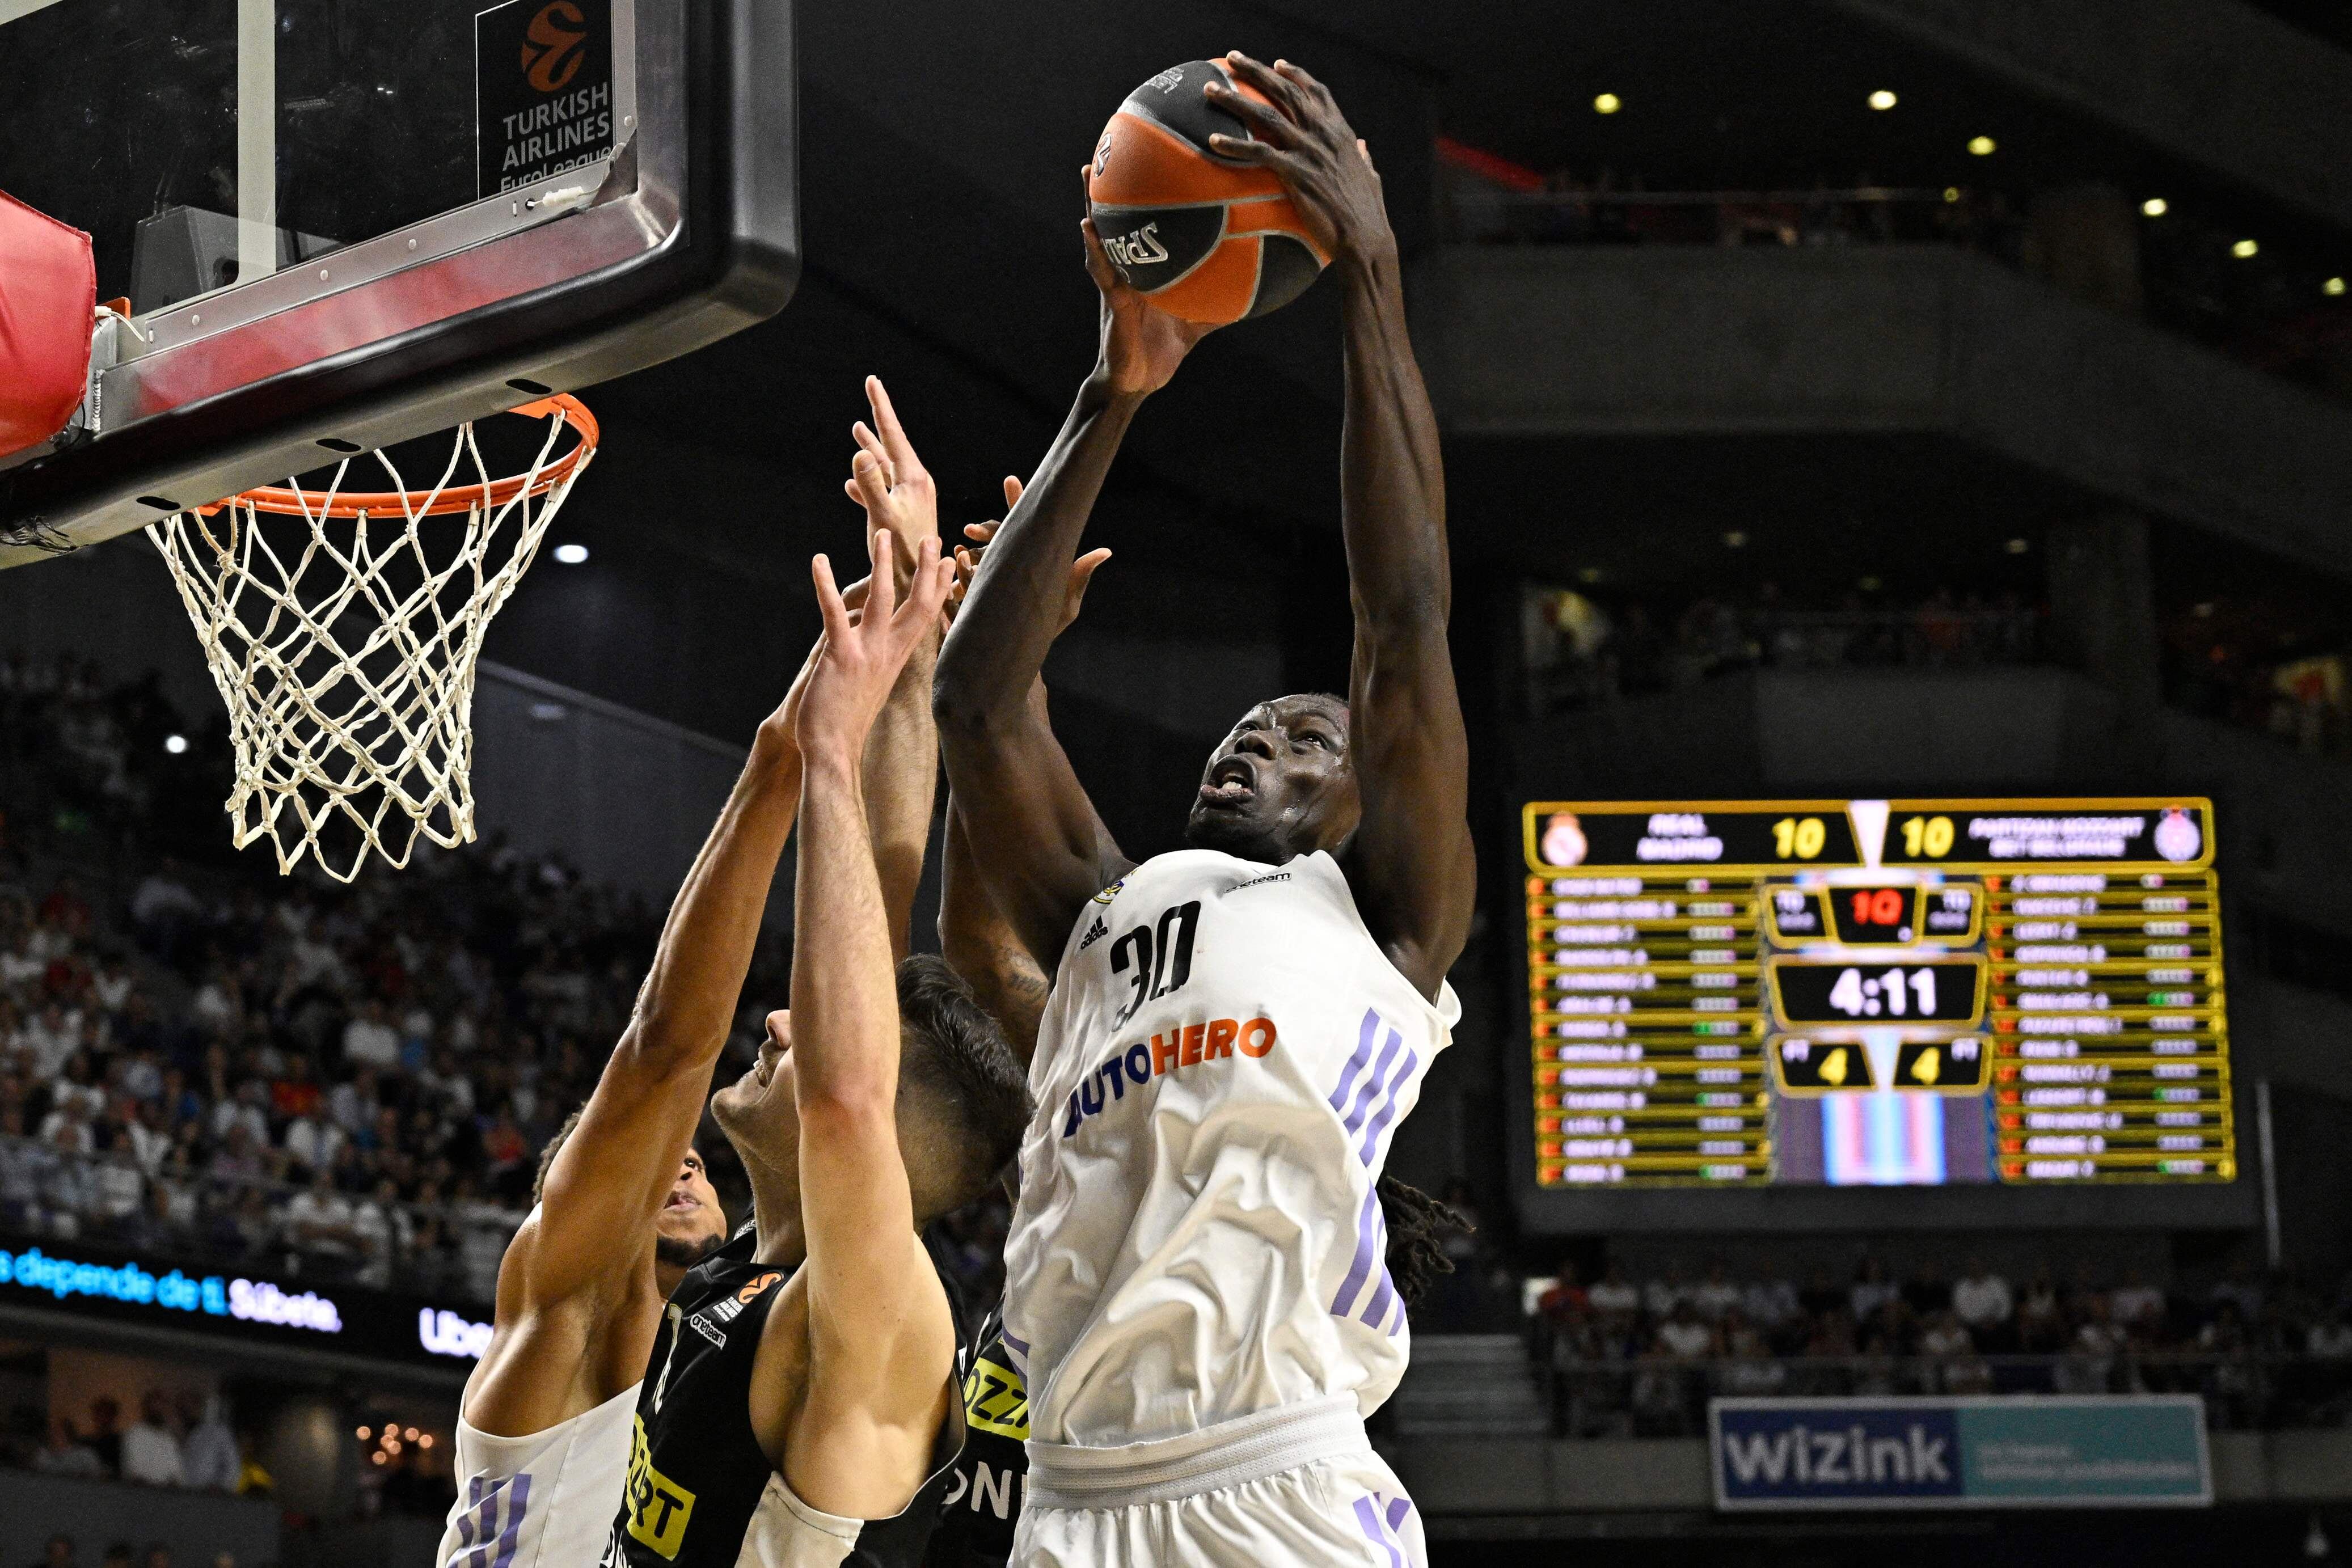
(48,290)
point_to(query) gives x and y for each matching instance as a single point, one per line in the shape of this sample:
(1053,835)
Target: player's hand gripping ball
(1203,238)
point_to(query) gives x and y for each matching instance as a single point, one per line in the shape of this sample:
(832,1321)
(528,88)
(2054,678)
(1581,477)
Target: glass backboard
(341,226)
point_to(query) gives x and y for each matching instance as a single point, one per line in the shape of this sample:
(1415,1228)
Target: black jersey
(983,1501)
(698,1481)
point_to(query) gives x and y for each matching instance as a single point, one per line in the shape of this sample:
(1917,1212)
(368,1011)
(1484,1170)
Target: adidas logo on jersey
(1095,934)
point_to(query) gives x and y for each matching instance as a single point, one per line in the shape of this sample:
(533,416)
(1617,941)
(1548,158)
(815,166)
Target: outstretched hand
(1306,142)
(1141,344)
(855,666)
(890,482)
(785,723)
(968,557)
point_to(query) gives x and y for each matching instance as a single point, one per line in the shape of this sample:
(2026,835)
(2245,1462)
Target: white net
(343,631)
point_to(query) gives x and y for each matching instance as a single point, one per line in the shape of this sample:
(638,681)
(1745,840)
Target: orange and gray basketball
(1203,237)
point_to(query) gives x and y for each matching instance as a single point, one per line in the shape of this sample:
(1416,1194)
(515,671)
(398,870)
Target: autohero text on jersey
(1155,958)
(1181,1046)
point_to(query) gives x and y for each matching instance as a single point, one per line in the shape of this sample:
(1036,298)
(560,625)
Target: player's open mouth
(683,1200)
(1231,782)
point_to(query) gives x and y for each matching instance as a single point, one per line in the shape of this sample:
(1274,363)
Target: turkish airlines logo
(552,49)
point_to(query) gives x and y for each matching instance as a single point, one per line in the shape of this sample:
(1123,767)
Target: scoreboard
(1876,993)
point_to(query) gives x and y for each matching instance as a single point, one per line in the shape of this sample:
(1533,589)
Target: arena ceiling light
(2017,546)
(2245,249)
(2155,207)
(572,555)
(1883,100)
(1982,146)
(2333,287)
(175,744)
(1607,103)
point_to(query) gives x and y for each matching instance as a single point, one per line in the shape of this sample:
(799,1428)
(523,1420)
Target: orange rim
(295,501)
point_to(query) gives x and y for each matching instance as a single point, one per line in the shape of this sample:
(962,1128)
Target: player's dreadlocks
(1416,1221)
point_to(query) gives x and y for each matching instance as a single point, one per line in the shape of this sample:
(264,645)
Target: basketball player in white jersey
(1195,1276)
(622,1209)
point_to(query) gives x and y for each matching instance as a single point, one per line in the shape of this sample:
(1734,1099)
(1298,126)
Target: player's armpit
(982,946)
(1039,848)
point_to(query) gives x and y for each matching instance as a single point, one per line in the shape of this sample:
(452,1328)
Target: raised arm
(975,938)
(868,1277)
(902,754)
(591,1239)
(1410,862)
(1041,849)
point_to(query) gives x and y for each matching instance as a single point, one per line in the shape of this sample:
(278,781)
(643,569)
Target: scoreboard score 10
(1877,992)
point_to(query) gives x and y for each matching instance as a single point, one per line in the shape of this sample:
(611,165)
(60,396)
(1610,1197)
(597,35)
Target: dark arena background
(1899,468)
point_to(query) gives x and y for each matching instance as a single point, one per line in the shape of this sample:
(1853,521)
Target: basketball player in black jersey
(805,1401)
(622,1207)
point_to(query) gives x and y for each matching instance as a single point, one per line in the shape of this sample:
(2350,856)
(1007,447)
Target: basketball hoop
(344,636)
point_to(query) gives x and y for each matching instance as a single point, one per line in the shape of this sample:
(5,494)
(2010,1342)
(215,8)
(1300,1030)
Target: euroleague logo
(552,48)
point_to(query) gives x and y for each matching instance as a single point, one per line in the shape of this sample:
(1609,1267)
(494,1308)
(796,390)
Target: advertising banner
(2000,1452)
(96,1283)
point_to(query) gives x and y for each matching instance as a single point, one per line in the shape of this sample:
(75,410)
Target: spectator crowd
(2255,668)
(1578,653)
(200,1058)
(211,1061)
(174,1442)
(1641,1358)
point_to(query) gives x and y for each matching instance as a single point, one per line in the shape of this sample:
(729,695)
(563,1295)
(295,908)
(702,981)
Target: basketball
(1203,238)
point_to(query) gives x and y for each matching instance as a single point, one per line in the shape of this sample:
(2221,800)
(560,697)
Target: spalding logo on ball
(1201,236)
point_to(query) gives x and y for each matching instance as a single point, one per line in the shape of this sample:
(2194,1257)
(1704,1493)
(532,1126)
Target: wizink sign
(246,1301)
(2020,1452)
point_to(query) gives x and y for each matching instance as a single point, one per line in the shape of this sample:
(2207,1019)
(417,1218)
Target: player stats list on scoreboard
(1877,992)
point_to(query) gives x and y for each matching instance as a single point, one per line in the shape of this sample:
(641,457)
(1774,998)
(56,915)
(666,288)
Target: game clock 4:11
(1945,992)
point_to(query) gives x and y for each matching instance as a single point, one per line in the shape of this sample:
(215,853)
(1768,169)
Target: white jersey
(543,1502)
(1225,1060)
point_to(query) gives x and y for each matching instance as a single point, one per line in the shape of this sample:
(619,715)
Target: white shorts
(1295,1487)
